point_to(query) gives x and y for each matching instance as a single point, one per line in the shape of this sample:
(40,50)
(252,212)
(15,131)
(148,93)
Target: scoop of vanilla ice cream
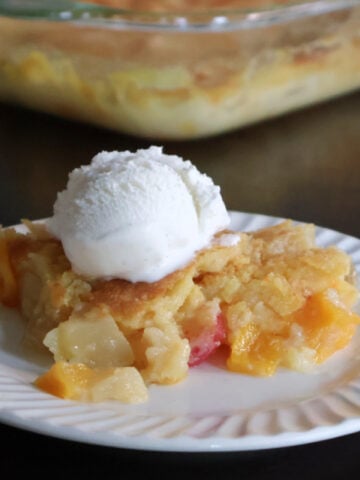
(136,216)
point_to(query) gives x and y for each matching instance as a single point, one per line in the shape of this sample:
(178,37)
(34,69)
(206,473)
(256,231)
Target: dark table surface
(305,166)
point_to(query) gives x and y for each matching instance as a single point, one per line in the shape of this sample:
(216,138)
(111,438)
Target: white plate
(212,410)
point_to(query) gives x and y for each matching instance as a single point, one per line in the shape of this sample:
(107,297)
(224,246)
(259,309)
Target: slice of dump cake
(269,298)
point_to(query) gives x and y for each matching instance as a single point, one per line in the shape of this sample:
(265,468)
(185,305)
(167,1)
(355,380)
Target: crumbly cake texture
(269,298)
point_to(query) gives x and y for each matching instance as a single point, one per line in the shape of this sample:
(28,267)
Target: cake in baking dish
(168,71)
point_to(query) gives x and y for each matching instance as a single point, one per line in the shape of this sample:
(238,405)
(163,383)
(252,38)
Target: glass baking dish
(178,69)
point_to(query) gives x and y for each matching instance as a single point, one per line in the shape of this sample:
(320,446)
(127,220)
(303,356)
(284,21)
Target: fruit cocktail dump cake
(268,299)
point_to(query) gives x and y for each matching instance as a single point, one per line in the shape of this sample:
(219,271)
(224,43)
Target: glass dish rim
(212,20)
